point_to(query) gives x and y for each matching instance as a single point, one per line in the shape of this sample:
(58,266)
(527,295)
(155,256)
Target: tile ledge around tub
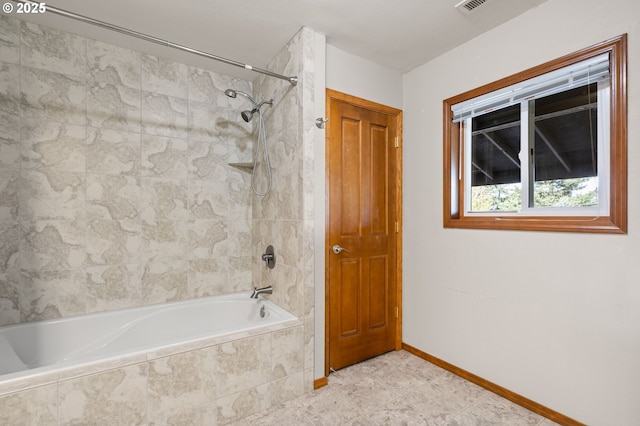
(218,340)
(89,368)
(19,384)
(56,374)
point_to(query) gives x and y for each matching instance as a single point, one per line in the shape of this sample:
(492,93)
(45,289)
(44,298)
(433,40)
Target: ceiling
(397,34)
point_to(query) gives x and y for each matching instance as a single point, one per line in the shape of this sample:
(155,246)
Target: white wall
(554,317)
(359,77)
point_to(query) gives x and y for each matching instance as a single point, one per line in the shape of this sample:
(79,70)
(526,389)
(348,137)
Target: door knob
(337,249)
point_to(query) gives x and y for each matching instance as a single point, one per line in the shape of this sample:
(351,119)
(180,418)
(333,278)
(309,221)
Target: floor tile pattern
(397,388)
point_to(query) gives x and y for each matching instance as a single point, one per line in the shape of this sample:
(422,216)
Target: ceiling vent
(468,6)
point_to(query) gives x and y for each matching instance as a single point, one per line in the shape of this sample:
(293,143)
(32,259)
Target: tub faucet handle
(269,257)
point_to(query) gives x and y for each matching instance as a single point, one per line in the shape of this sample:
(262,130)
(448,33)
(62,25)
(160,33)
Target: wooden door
(363,165)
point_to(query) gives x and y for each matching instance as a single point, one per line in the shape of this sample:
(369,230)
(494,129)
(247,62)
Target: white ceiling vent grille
(468,6)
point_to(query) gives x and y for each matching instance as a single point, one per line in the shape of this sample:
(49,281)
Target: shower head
(248,115)
(234,93)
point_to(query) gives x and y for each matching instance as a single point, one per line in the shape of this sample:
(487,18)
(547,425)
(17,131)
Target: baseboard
(497,389)
(320,383)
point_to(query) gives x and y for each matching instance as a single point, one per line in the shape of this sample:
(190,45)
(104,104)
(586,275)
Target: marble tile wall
(114,184)
(284,218)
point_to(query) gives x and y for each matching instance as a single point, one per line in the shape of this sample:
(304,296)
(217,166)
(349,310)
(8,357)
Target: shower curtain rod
(293,80)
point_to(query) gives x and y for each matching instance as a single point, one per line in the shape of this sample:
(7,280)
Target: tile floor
(397,388)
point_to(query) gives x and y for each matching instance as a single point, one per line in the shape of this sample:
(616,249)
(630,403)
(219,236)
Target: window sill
(590,224)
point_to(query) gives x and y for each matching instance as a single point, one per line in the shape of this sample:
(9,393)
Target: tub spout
(257,291)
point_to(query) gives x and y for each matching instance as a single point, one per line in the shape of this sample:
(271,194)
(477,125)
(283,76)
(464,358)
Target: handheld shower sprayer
(234,94)
(261,143)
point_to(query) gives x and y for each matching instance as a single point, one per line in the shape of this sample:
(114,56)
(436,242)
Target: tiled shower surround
(115,191)
(115,185)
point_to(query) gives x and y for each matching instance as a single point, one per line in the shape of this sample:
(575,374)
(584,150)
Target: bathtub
(46,351)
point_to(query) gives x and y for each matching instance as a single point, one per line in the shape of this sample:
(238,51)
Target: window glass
(557,138)
(564,160)
(495,166)
(566,148)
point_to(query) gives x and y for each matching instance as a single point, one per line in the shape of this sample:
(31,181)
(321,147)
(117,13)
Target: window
(544,149)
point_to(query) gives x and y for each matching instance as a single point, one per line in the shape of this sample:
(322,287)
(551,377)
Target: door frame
(363,103)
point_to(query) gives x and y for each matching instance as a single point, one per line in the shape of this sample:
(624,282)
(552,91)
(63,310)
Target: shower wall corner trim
(292,80)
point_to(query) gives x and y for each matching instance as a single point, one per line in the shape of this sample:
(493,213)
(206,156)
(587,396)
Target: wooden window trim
(615,222)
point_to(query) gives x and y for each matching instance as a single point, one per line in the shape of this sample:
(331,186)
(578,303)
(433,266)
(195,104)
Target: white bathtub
(69,346)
